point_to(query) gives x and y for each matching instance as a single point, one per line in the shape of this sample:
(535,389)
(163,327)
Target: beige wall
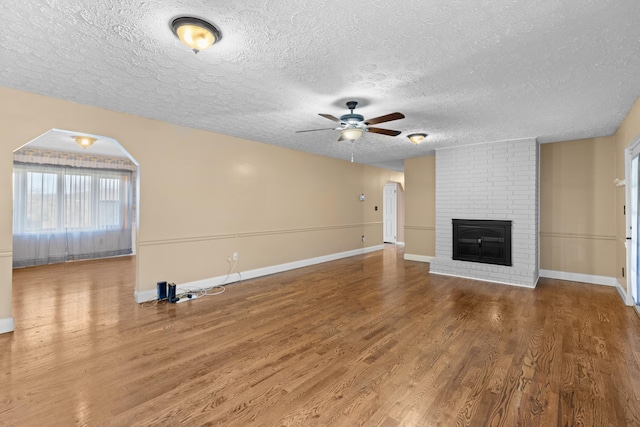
(205,195)
(627,132)
(582,224)
(577,206)
(420,206)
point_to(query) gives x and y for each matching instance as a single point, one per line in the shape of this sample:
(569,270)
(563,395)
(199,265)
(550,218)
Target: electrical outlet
(235,256)
(363,238)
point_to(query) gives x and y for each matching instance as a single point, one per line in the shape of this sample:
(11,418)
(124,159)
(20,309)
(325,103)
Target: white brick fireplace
(496,181)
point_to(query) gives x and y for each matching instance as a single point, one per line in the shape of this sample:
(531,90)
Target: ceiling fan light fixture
(84,141)
(417,138)
(352,133)
(195,33)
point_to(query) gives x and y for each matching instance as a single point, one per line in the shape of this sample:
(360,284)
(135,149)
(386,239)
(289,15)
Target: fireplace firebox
(486,241)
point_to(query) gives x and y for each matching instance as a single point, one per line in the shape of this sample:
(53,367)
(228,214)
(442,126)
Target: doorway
(390,213)
(632,184)
(73,202)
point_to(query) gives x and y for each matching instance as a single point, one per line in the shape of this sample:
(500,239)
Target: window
(80,213)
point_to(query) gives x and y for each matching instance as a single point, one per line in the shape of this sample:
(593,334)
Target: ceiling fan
(353,125)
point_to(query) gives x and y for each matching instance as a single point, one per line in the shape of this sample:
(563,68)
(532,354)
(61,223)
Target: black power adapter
(172,293)
(162,291)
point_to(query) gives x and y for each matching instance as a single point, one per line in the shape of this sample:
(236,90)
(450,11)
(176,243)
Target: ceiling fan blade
(313,130)
(330,117)
(385,131)
(385,118)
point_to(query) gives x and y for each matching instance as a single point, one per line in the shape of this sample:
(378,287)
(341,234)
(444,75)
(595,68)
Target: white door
(633,222)
(633,225)
(389,213)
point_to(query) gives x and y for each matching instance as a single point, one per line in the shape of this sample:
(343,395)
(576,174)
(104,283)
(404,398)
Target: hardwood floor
(371,340)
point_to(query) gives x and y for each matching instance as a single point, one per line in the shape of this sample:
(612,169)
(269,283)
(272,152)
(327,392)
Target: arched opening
(73,203)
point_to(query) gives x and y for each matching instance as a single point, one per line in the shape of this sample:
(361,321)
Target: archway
(73,203)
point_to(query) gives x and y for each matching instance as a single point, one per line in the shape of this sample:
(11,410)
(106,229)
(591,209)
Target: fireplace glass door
(485,241)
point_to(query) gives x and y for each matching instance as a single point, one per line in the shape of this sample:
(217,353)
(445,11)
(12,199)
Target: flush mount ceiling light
(351,134)
(417,138)
(195,33)
(84,141)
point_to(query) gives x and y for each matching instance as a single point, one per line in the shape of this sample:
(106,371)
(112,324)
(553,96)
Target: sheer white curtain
(63,213)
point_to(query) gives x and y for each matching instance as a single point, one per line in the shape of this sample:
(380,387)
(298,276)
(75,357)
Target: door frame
(630,151)
(384,211)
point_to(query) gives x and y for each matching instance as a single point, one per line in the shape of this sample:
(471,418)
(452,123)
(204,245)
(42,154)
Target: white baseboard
(419,258)
(623,294)
(486,280)
(579,277)
(366,250)
(626,297)
(144,296)
(151,294)
(6,325)
(400,243)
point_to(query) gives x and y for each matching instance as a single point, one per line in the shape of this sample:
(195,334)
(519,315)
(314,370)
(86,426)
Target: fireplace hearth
(485,241)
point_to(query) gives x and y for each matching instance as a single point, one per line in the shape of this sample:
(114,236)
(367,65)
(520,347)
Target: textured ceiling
(464,72)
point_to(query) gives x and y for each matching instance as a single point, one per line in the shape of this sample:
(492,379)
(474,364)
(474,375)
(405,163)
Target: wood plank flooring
(371,340)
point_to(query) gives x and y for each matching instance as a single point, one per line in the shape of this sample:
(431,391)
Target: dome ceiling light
(417,138)
(84,141)
(351,133)
(195,33)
